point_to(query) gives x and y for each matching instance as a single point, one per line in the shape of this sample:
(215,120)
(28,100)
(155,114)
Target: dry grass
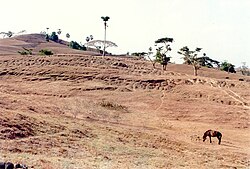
(77,111)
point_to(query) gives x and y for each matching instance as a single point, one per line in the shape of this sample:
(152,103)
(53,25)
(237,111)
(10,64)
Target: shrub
(113,106)
(45,52)
(25,51)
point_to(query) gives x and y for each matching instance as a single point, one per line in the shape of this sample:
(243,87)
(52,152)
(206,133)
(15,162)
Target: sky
(220,27)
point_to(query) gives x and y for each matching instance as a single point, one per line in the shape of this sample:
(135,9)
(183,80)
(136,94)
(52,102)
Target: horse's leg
(219,138)
(210,139)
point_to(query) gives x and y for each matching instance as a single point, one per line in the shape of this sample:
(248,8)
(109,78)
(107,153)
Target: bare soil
(82,111)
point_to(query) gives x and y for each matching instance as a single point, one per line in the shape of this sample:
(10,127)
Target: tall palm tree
(59,31)
(67,36)
(105,19)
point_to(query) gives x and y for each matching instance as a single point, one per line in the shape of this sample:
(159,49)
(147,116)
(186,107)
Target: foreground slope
(76,111)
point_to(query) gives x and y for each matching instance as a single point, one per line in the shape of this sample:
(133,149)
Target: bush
(25,51)
(45,52)
(113,106)
(75,45)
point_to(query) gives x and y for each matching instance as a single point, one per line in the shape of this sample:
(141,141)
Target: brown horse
(212,133)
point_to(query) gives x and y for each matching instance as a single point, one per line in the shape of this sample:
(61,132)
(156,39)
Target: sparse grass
(113,106)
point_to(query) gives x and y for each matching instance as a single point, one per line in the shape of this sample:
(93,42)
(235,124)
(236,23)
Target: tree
(208,62)
(228,67)
(54,37)
(105,19)
(67,36)
(190,57)
(100,43)
(161,52)
(89,38)
(59,32)
(47,37)
(21,32)
(9,34)
(139,54)
(75,45)
(244,69)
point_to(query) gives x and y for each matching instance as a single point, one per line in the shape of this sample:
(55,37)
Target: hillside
(36,42)
(74,110)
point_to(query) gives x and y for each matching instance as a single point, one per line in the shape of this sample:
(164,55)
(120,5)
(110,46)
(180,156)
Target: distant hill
(36,42)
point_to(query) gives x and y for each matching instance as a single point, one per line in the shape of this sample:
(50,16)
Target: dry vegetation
(82,111)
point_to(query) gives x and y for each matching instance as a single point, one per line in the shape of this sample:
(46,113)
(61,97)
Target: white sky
(220,27)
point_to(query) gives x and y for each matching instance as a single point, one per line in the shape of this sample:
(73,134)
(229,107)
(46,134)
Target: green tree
(47,37)
(75,45)
(54,37)
(208,62)
(105,19)
(228,67)
(139,54)
(190,58)
(161,51)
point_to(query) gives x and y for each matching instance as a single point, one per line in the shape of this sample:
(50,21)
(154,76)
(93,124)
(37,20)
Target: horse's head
(204,137)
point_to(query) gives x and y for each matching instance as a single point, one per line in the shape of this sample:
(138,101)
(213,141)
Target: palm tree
(67,36)
(87,39)
(59,32)
(105,19)
(91,37)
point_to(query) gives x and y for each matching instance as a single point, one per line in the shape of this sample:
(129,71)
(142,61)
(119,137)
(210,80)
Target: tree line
(192,57)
